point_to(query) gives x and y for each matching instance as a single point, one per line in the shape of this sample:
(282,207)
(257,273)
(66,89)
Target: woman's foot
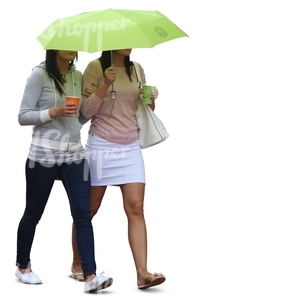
(27,276)
(95,283)
(77,273)
(147,281)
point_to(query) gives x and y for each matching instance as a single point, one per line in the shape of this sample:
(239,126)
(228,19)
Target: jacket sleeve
(29,113)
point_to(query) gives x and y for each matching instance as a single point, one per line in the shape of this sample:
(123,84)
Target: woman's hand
(109,75)
(90,89)
(67,109)
(100,91)
(154,95)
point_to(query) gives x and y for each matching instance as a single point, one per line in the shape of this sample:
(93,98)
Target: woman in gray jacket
(56,152)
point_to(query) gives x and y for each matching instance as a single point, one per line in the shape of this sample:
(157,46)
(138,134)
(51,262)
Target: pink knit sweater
(113,120)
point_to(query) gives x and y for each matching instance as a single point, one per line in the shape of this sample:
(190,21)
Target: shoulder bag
(151,129)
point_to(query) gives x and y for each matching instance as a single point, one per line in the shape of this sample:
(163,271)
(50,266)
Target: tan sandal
(152,280)
(77,276)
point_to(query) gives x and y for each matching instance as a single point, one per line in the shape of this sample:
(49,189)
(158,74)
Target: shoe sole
(27,282)
(105,284)
(154,282)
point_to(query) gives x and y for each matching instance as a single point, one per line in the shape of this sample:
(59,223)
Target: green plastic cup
(147,90)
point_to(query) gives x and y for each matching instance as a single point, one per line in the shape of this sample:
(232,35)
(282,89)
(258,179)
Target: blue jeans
(39,182)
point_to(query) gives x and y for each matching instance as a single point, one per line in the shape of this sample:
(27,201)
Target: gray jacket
(40,94)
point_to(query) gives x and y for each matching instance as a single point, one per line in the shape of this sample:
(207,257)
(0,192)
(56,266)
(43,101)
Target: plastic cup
(73,99)
(147,90)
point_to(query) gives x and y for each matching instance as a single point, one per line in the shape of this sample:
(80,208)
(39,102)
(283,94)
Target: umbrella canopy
(110,29)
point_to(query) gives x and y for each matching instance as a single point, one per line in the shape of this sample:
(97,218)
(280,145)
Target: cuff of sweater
(44,115)
(89,108)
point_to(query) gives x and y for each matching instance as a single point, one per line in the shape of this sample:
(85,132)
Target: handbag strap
(138,74)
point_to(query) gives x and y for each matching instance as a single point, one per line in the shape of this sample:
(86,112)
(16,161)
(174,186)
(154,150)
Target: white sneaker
(98,283)
(29,278)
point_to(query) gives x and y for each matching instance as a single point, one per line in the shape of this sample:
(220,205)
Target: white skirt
(114,164)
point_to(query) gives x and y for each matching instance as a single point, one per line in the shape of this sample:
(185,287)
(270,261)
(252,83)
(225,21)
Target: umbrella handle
(112,93)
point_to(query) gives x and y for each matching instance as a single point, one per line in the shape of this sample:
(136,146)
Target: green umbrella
(110,29)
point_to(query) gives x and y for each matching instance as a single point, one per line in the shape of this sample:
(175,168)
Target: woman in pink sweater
(113,150)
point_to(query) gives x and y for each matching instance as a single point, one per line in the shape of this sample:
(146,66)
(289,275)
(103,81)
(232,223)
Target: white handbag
(151,129)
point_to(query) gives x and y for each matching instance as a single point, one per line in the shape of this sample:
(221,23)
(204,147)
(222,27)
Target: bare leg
(133,198)
(97,193)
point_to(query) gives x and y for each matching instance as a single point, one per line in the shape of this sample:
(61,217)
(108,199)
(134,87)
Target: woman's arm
(154,94)
(95,88)
(38,102)
(28,113)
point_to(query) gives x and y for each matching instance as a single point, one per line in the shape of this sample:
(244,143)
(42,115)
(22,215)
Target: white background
(222,200)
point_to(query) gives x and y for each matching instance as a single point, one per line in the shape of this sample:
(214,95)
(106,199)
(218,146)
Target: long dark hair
(105,60)
(52,69)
